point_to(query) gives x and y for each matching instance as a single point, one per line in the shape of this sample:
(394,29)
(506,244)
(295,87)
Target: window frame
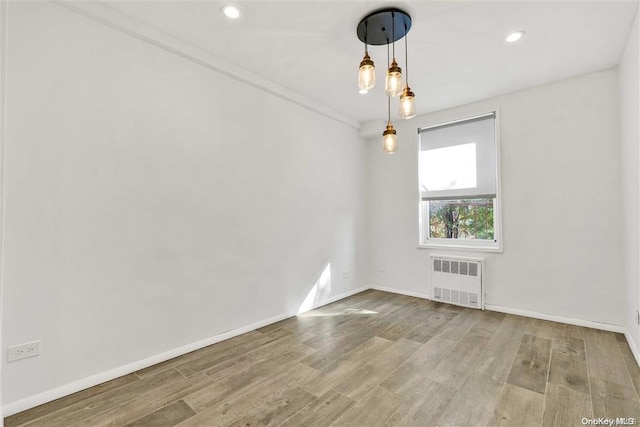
(464,244)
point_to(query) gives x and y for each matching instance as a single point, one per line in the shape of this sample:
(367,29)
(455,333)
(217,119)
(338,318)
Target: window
(458,174)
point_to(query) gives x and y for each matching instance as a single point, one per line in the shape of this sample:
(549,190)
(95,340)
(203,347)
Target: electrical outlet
(23,351)
(345,275)
(382,267)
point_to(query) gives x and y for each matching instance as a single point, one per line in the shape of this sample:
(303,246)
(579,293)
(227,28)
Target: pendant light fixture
(379,28)
(367,71)
(389,138)
(408,98)
(393,82)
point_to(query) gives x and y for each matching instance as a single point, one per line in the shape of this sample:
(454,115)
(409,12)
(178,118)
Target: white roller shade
(458,160)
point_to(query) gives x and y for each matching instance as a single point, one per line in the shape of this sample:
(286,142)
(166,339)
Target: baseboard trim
(532,314)
(76,386)
(535,315)
(525,313)
(569,320)
(400,292)
(632,346)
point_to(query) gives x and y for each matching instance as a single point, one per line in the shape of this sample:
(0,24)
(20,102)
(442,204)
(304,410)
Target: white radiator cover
(457,280)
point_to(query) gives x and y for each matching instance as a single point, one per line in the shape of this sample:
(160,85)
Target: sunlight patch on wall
(320,290)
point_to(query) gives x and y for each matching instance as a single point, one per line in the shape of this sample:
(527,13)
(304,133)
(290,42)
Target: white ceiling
(457,52)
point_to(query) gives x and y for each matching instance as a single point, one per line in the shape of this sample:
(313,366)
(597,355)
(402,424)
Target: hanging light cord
(406,55)
(388,51)
(393,35)
(388,97)
(366,51)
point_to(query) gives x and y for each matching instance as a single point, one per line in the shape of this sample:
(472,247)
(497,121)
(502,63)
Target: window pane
(460,219)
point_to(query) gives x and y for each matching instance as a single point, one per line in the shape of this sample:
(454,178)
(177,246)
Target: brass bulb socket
(389,131)
(406,93)
(393,68)
(366,61)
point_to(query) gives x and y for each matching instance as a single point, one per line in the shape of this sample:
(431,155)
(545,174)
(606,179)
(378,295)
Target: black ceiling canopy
(384,26)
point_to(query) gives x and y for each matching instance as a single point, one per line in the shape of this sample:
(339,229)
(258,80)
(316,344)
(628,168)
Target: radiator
(457,280)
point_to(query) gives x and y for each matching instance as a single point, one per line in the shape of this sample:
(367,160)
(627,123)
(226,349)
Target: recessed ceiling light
(514,37)
(231,11)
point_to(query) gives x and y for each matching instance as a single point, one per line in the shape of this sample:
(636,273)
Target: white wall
(3,50)
(151,202)
(628,72)
(560,194)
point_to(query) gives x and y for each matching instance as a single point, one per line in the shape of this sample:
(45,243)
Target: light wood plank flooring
(374,359)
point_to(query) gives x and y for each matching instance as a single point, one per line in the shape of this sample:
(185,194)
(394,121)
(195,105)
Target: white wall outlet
(382,267)
(345,275)
(23,351)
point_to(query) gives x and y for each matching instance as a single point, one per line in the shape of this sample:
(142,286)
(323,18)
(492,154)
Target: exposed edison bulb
(389,140)
(407,104)
(393,83)
(366,74)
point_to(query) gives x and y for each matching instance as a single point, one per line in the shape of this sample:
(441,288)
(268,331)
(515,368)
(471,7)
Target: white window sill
(468,248)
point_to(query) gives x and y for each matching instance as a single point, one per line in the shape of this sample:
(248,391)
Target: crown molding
(126,24)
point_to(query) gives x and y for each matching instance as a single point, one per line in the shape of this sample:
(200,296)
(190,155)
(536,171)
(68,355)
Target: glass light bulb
(389,140)
(366,74)
(407,104)
(393,83)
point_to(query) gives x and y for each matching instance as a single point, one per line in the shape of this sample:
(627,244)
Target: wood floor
(374,359)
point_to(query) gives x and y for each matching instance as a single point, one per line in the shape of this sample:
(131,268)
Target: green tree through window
(461,219)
